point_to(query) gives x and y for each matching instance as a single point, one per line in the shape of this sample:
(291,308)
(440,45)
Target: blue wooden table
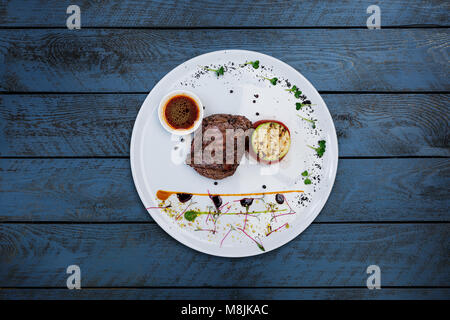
(69,98)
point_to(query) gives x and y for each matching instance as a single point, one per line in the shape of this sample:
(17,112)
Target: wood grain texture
(103,190)
(134,60)
(229,293)
(58,212)
(231,13)
(138,255)
(101,124)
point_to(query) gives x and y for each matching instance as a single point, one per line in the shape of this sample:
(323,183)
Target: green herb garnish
(296,91)
(300,105)
(255,64)
(313,122)
(293,89)
(306,174)
(320,150)
(272,81)
(261,247)
(219,71)
(190,215)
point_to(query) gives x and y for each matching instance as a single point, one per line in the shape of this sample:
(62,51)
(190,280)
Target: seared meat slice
(219,168)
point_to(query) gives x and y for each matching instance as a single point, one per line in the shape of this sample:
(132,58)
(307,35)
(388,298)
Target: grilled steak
(217,125)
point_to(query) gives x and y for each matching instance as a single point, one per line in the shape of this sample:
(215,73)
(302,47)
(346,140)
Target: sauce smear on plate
(181,112)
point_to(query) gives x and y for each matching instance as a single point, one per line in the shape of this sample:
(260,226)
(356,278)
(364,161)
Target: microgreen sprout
(219,71)
(270,231)
(166,207)
(213,231)
(320,150)
(296,91)
(274,217)
(272,81)
(255,64)
(313,122)
(293,89)
(300,105)
(260,246)
(306,174)
(231,229)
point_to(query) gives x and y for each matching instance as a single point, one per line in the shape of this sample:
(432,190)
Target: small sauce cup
(191,100)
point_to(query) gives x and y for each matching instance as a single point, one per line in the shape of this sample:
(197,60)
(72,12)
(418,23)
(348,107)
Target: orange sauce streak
(164,195)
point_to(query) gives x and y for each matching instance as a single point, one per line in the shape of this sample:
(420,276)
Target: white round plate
(157,157)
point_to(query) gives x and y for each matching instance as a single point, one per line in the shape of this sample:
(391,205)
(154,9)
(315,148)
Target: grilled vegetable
(270,141)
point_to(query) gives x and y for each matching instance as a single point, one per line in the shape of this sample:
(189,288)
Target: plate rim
(177,236)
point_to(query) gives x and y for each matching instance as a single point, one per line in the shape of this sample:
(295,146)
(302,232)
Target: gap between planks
(413,26)
(127,157)
(362,222)
(228,287)
(147,92)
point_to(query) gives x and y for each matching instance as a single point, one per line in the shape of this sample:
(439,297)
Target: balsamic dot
(279,198)
(257,113)
(231,91)
(216,183)
(264,186)
(254,101)
(182,140)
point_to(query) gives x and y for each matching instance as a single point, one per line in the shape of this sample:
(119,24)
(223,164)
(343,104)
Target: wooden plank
(136,255)
(103,190)
(232,13)
(134,60)
(68,125)
(229,293)
(101,124)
